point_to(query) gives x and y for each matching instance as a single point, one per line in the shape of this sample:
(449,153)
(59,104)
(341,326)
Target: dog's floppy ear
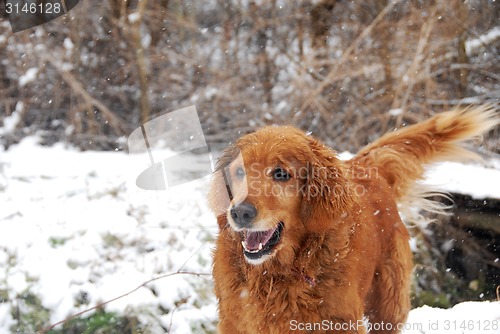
(219,194)
(327,193)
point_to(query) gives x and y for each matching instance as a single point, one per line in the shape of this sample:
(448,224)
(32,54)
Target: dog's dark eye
(279,174)
(240,172)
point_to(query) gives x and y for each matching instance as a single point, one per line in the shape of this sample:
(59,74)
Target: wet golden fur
(344,251)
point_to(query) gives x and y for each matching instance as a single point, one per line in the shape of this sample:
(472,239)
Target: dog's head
(276,185)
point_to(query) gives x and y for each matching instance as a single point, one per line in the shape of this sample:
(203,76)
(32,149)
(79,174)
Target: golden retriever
(310,243)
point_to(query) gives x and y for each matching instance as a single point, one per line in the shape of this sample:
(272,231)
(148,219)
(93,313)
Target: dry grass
(247,66)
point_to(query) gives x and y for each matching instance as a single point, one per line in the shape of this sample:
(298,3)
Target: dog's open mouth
(259,243)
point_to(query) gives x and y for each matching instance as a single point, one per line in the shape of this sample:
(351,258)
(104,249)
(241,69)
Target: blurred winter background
(75,231)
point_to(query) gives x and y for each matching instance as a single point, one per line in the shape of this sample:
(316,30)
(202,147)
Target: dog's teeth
(251,250)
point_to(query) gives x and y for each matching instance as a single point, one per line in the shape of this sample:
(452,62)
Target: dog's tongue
(254,239)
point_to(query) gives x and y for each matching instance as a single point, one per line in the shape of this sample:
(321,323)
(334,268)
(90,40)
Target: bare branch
(100,305)
(114,121)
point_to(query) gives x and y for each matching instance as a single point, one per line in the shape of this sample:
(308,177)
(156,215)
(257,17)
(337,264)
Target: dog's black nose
(243,214)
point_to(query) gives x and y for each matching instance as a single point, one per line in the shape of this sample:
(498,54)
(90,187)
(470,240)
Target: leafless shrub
(347,71)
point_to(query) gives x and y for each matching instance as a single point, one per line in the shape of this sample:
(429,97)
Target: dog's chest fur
(261,299)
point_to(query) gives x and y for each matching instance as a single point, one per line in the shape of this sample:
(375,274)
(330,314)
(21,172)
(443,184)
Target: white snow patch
(10,122)
(133,17)
(469,179)
(481,41)
(146,40)
(210,92)
(69,130)
(68,44)
(103,235)
(28,77)
(6,319)
(395,112)
(346,155)
(465,318)
(281,107)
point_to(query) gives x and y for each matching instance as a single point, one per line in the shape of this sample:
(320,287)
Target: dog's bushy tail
(400,156)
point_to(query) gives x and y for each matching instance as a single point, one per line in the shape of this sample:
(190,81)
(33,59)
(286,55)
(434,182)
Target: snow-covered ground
(75,230)
(74,226)
(472,179)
